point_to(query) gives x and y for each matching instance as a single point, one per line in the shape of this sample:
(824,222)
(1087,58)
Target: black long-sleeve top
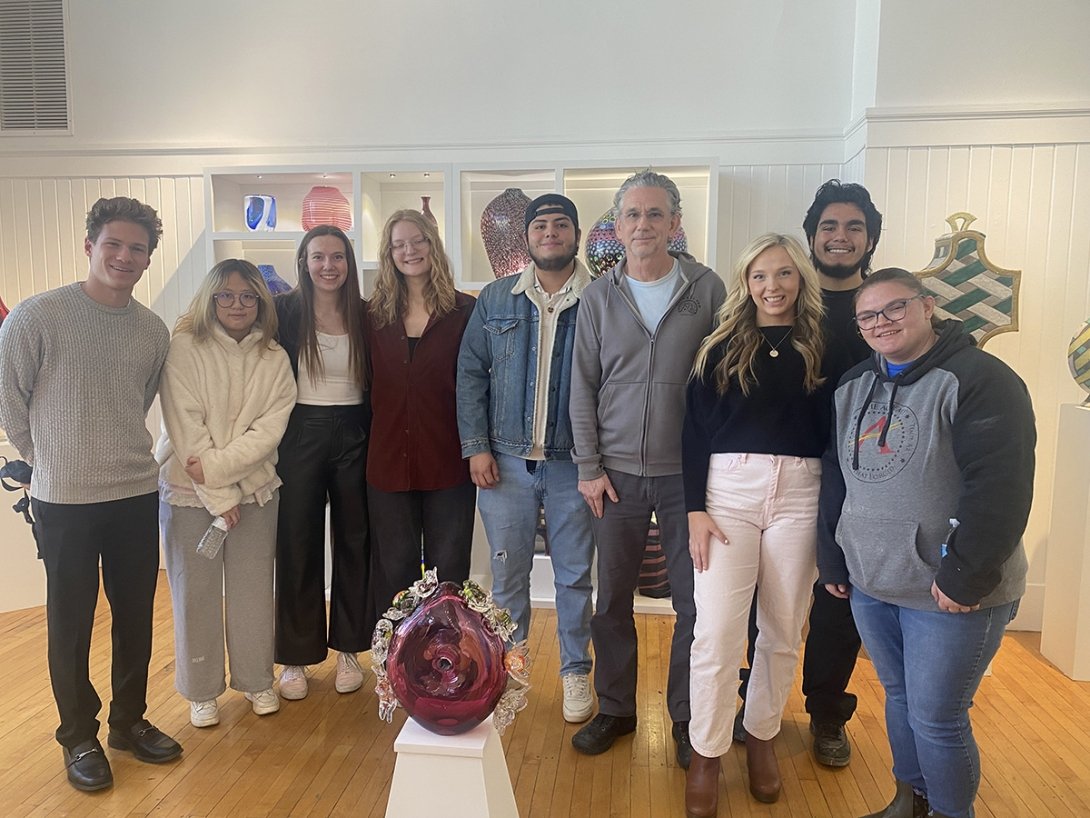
(777,417)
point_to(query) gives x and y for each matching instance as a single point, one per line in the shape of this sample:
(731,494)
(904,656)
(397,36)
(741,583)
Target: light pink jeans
(766,505)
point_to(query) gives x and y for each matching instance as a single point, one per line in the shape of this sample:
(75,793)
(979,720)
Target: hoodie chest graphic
(885,438)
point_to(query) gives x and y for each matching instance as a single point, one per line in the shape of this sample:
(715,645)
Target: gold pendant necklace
(775,351)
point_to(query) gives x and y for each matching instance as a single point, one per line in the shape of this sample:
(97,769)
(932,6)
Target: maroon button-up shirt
(414,429)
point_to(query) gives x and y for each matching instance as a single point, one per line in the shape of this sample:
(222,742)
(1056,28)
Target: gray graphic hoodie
(929,477)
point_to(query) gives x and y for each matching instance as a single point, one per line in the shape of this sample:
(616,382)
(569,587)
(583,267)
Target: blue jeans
(930,664)
(509,512)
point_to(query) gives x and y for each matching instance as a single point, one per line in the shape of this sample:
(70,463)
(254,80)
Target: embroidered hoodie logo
(887,440)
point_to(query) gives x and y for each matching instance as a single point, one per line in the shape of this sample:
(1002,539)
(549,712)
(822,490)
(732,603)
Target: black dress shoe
(684,749)
(147,743)
(87,766)
(739,731)
(831,746)
(599,735)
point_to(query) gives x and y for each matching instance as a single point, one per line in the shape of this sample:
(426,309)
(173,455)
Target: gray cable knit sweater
(76,381)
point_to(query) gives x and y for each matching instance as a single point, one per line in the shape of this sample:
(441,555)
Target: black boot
(905,804)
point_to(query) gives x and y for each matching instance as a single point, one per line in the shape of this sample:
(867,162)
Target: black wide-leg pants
(323,457)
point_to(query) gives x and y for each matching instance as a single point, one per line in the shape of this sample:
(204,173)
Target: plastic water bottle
(213,538)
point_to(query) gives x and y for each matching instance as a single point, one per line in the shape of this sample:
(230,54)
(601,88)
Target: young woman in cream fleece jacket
(226,394)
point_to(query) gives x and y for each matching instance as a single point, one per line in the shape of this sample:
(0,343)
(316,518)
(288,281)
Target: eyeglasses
(227,299)
(416,244)
(893,311)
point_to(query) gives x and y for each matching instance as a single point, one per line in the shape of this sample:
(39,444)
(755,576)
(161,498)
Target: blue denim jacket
(497,370)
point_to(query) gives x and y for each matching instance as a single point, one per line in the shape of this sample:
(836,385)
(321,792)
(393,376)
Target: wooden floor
(330,755)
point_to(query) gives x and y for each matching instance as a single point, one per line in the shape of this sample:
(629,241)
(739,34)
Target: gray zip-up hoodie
(628,384)
(949,438)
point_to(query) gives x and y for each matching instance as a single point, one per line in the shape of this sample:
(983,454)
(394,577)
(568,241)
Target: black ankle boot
(906,803)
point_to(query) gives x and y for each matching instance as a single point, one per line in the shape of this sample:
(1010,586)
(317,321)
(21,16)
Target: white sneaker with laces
(264,702)
(204,714)
(578,702)
(349,673)
(293,682)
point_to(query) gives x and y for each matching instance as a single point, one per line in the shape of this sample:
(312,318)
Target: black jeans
(832,647)
(124,535)
(323,456)
(410,526)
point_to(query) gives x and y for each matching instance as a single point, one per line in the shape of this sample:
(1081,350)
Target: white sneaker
(293,682)
(349,673)
(265,702)
(204,714)
(578,703)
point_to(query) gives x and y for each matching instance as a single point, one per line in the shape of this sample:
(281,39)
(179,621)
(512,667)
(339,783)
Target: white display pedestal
(1065,626)
(457,776)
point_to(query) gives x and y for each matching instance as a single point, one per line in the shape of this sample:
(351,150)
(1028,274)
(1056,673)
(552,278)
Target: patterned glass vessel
(603,250)
(503,233)
(326,205)
(273,279)
(446,667)
(425,210)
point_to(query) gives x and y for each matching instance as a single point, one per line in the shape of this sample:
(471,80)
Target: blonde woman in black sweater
(757,420)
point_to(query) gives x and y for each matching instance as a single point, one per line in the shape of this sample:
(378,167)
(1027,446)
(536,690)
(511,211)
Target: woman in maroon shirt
(418,486)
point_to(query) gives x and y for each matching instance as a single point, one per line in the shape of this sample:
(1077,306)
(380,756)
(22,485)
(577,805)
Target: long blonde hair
(737,329)
(200,318)
(390,298)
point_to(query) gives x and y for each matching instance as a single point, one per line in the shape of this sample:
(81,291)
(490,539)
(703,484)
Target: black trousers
(410,527)
(323,456)
(124,535)
(832,647)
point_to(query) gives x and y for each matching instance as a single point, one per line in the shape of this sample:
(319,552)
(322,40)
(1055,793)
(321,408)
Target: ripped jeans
(510,512)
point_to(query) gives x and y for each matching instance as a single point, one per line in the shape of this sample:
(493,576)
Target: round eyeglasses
(893,311)
(227,299)
(419,243)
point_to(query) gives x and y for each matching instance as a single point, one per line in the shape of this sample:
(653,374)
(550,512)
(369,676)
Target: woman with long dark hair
(226,394)
(322,460)
(756,423)
(418,485)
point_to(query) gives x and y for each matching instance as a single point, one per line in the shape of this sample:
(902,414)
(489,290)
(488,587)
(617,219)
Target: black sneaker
(684,748)
(87,766)
(147,743)
(831,746)
(739,731)
(599,735)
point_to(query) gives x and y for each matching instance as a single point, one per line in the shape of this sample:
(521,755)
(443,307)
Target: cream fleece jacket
(228,403)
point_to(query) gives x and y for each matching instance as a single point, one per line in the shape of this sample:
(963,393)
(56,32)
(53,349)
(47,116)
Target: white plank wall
(756,199)
(42,230)
(1033,204)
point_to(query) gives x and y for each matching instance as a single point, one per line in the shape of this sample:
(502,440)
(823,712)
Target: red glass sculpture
(445,666)
(503,232)
(443,653)
(326,205)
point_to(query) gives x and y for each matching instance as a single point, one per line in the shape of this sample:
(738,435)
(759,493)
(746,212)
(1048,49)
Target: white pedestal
(457,776)
(1065,627)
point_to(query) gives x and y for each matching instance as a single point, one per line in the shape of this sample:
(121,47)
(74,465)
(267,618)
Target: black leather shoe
(684,748)
(147,743)
(87,766)
(739,731)
(599,735)
(831,746)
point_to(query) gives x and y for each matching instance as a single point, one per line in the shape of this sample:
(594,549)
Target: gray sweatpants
(240,581)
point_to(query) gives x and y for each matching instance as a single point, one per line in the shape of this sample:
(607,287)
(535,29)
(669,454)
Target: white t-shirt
(338,385)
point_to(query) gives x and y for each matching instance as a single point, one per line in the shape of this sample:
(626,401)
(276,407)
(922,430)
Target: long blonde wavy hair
(737,329)
(390,298)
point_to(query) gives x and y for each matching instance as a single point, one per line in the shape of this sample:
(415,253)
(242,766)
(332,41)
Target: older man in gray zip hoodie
(638,331)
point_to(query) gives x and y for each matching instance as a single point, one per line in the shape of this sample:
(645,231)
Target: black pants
(322,458)
(73,538)
(408,527)
(832,647)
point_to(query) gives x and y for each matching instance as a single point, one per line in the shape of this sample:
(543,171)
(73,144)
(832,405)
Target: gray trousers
(621,536)
(239,580)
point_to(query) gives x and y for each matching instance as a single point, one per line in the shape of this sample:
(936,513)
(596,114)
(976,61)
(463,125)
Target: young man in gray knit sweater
(79,369)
